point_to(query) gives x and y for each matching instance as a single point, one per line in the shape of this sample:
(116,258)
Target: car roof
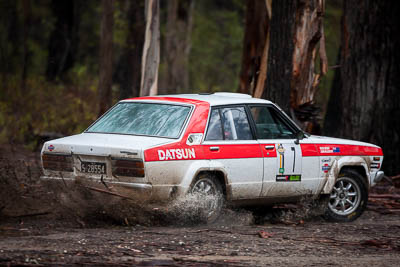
(214,99)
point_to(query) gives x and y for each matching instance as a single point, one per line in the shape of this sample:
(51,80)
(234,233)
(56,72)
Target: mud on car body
(233,147)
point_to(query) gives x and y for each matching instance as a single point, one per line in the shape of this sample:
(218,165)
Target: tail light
(57,162)
(127,167)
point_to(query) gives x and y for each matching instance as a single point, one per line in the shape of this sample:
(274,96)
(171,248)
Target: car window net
(150,119)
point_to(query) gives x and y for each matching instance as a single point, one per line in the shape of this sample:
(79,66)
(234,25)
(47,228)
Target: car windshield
(161,120)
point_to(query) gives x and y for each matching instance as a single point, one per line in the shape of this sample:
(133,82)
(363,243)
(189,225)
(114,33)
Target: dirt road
(372,240)
(35,231)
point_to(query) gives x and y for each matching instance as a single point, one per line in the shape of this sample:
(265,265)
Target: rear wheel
(209,195)
(348,198)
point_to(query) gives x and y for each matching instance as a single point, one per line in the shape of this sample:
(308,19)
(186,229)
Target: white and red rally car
(239,149)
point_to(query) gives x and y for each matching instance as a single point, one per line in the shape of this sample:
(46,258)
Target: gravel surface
(38,229)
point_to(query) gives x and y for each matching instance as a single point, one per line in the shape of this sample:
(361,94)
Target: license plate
(93,167)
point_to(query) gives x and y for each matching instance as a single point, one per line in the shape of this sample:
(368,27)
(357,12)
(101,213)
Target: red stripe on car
(310,150)
(232,151)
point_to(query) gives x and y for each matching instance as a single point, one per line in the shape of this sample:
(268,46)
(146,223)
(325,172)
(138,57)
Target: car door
(283,163)
(231,147)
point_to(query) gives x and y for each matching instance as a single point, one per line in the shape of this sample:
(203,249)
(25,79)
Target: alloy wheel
(345,197)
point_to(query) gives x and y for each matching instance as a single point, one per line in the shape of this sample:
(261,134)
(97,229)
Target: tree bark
(254,45)
(262,77)
(309,32)
(128,70)
(367,91)
(175,79)
(296,37)
(106,55)
(151,49)
(281,47)
(63,41)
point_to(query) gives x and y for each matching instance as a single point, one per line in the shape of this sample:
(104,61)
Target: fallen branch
(157,233)
(331,241)
(391,196)
(222,231)
(382,211)
(107,192)
(31,214)
(383,201)
(396,177)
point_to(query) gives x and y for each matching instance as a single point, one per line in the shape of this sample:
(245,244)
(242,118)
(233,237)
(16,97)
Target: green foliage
(68,105)
(217,38)
(120,25)
(65,106)
(44,107)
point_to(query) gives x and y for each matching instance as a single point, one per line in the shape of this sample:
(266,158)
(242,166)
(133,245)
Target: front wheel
(209,197)
(348,198)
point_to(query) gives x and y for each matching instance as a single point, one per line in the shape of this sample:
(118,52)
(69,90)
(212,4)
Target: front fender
(337,166)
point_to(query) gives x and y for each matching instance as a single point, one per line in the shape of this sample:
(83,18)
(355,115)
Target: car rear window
(161,120)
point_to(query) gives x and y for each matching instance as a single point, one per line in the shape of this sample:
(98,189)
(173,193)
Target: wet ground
(372,240)
(36,228)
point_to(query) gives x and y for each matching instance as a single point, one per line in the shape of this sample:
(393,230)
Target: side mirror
(299,136)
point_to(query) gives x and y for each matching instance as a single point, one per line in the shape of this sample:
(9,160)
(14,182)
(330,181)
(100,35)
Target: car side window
(235,123)
(269,125)
(229,123)
(214,131)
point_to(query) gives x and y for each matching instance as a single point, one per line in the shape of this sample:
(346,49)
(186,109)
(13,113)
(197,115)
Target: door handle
(214,148)
(270,147)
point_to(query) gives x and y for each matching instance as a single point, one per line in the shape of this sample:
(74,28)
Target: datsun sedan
(233,147)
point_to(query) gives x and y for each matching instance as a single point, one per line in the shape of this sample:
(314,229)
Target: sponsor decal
(377,158)
(328,149)
(179,153)
(281,152)
(288,178)
(326,168)
(326,160)
(50,147)
(375,165)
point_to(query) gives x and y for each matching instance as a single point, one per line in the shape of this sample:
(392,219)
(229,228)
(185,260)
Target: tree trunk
(292,81)
(151,49)
(309,32)
(254,44)
(128,70)
(262,77)
(63,41)
(106,55)
(27,17)
(10,40)
(334,111)
(367,93)
(177,46)
(281,47)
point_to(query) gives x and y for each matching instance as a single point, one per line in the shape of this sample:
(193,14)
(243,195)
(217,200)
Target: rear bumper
(133,191)
(139,192)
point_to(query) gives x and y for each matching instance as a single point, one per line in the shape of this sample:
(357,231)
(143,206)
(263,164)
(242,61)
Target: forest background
(330,64)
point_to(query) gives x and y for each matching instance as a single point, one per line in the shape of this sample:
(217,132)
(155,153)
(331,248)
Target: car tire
(348,198)
(210,197)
